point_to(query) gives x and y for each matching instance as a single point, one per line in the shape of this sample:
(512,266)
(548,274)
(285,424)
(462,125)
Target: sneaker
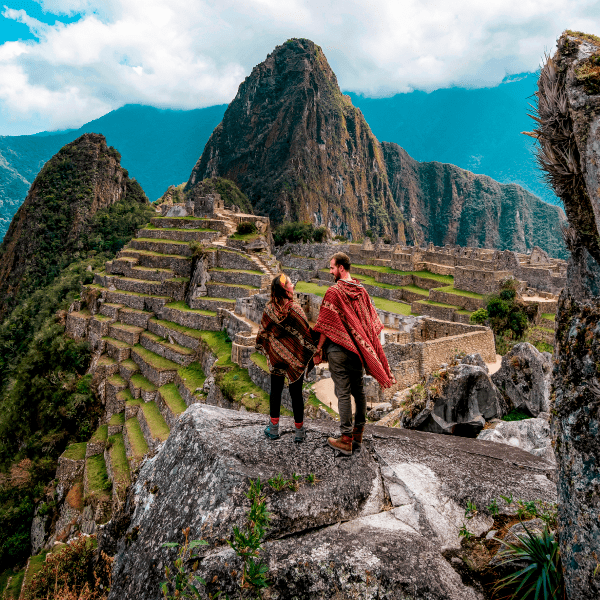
(300,434)
(343,444)
(272,431)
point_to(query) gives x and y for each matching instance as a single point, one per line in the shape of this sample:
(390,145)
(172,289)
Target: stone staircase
(147,341)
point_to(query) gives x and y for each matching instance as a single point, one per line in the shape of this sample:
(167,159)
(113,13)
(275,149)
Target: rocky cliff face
(47,232)
(300,150)
(569,137)
(448,205)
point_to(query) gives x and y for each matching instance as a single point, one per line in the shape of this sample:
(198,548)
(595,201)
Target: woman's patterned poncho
(286,339)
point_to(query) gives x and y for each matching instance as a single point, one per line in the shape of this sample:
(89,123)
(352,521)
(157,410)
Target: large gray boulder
(467,400)
(531,435)
(525,379)
(373,526)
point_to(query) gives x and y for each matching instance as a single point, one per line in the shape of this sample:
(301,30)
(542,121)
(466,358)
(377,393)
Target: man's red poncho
(348,318)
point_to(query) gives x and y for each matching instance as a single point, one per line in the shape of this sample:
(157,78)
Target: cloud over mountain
(188,54)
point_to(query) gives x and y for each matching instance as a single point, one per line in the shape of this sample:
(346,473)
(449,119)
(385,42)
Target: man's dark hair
(342,260)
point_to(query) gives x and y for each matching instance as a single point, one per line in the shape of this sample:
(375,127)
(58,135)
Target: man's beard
(336,278)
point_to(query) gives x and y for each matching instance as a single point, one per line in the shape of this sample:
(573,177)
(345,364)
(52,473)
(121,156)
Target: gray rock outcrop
(373,526)
(525,379)
(532,435)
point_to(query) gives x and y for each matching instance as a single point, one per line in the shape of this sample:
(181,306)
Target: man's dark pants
(347,374)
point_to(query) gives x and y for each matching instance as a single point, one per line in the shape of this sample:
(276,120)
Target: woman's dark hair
(278,291)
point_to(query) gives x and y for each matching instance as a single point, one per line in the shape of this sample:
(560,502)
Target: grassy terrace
(117,343)
(433,303)
(102,318)
(415,289)
(381,303)
(260,360)
(139,381)
(136,438)
(130,365)
(13,590)
(158,428)
(181,305)
(118,459)
(549,316)
(246,237)
(192,376)
(178,229)
(170,394)
(35,566)
(156,361)
(234,285)
(448,279)
(160,241)
(179,328)
(150,269)
(101,435)
(152,253)
(234,382)
(128,328)
(126,396)
(117,419)
(236,270)
(98,480)
(75,451)
(117,380)
(163,341)
(450,289)
(182,218)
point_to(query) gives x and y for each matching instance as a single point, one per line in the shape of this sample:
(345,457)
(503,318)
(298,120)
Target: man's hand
(318,357)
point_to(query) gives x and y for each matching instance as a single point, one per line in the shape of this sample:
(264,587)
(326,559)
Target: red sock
(299,425)
(275,421)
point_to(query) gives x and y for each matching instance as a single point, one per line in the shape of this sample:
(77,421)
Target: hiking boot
(357,434)
(343,444)
(300,434)
(272,431)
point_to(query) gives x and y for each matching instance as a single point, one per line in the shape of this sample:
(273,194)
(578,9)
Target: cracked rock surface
(373,526)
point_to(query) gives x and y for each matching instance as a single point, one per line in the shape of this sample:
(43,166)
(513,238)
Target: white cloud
(195,53)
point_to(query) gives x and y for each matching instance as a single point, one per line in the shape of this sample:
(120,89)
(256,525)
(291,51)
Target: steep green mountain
(159,148)
(81,209)
(448,205)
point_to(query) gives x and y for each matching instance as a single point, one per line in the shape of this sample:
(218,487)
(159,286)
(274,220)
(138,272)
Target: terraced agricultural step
(113,405)
(239,277)
(229,290)
(132,404)
(140,387)
(212,304)
(115,424)
(184,336)
(117,466)
(179,234)
(133,316)
(155,368)
(96,484)
(161,246)
(120,265)
(170,403)
(182,314)
(126,333)
(99,325)
(106,366)
(139,286)
(129,267)
(152,424)
(219,225)
(181,265)
(163,347)
(135,442)
(110,310)
(127,368)
(117,349)
(137,301)
(190,383)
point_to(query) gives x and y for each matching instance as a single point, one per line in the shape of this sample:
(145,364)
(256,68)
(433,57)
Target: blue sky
(66,62)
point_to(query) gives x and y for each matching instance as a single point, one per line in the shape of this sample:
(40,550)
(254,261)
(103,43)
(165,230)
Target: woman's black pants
(277,383)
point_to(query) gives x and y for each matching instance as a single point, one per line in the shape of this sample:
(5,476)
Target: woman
(286,339)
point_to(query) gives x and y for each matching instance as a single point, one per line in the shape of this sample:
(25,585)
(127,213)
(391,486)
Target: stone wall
(443,350)
(478,281)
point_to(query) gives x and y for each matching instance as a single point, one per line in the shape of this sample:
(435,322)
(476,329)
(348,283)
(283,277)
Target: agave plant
(542,577)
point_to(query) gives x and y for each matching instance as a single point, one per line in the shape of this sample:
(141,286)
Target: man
(350,328)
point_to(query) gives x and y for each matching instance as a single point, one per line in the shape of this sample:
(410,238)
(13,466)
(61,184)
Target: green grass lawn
(102,318)
(415,289)
(136,438)
(549,316)
(130,365)
(13,590)
(35,566)
(193,376)
(234,285)
(75,451)
(448,279)
(160,340)
(118,459)
(128,328)
(125,395)
(160,241)
(139,381)
(260,360)
(183,218)
(154,228)
(101,434)
(152,253)
(194,333)
(98,482)
(305,287)
(172,398)
(156,361)
(158,428)
(117,380)
(246,237)
(117,419)
(181,305)
(251,272)
(433,303)
(450,289)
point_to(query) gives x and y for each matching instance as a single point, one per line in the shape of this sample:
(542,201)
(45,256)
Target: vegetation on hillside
(297,231)
(227,189)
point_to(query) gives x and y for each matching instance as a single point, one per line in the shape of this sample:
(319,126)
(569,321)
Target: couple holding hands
(346,335)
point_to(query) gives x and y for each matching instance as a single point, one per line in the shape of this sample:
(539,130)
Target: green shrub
(296,231)
(245,227)
(480,316)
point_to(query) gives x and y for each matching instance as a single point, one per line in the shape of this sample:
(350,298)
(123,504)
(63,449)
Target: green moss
(170,394)
(118,459)
(156,361)
(97,475)
(260,360)
(450,289)
(158,428)
(137,442)
(75,451)
(192,376)
(184,307)
(101,435)
(139,381)
(117,419)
